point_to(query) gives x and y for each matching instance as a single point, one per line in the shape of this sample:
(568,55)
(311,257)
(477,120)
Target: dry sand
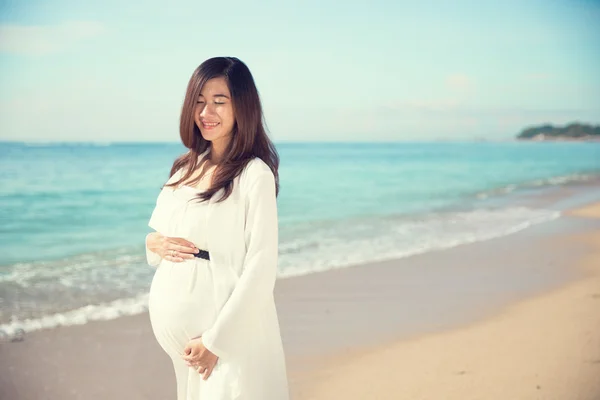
(546,347)
(588,211)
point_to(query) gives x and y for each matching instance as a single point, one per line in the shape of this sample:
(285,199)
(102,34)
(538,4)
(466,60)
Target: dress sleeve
(152,258)
(159,221)
(255,287)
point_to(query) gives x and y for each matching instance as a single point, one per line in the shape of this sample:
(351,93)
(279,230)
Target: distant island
(574,131)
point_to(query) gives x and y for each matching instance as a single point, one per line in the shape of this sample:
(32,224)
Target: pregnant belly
(181,303)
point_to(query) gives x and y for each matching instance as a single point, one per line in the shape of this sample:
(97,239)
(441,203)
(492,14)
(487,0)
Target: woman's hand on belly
(199,357)
(171,248)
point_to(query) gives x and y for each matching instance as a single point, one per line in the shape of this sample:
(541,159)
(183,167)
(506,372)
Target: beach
(513,317)
(543,347)
(435,238)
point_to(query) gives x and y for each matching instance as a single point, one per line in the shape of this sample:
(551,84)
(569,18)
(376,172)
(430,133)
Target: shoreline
(365,305)
(551,199)
(329,318)
(543,346)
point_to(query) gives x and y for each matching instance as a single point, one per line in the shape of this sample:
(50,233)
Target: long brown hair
(249,138)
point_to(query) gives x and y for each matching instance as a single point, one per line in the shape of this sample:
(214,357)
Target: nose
(206,110)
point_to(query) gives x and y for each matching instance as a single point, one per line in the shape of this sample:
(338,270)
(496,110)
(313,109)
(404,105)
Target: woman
(211,299)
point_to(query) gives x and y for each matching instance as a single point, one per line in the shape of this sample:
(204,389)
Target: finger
(183,242)
(173,255)
(187,256)
(180,249)
(207,373)
(192,362)
(188,253)
(189,357)
(173,259)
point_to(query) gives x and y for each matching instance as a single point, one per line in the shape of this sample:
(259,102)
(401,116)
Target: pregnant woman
(215,247)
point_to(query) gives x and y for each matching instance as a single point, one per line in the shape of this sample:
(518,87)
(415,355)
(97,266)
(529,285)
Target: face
(214,112)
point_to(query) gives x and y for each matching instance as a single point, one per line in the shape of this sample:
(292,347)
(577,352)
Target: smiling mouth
(209,125)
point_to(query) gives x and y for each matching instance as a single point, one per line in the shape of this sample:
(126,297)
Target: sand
(589,211)
(516,317)
(546,347)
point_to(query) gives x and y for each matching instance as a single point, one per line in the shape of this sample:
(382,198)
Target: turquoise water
(74,215)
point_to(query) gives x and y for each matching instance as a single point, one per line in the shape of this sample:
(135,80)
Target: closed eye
(216,102)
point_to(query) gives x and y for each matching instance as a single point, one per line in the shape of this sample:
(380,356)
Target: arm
(255,287)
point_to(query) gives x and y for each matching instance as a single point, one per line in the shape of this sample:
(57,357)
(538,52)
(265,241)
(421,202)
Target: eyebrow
(217,95)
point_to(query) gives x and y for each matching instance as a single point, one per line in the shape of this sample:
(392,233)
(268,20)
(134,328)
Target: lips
(209,125)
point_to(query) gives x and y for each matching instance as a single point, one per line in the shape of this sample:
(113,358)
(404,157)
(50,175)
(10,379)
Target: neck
(217,151)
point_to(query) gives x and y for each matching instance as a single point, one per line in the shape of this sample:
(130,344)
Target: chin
(209,136)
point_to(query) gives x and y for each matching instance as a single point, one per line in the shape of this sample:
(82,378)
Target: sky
(107,71)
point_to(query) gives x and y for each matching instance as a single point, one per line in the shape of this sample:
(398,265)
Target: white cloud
(46,39)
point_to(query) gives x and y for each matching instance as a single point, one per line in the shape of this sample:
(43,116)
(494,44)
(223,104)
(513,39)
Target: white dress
(181,303)
(228,300)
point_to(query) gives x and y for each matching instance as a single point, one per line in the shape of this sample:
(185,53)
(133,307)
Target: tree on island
(571,131)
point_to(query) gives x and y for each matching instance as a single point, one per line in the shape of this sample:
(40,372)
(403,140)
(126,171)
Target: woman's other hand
(171,248)
(199,357)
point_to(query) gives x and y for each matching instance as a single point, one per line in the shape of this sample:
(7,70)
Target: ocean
(74,216)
